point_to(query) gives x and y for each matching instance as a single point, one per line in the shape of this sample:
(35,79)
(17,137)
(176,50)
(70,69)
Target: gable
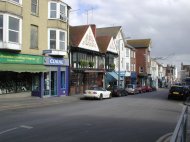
(112,47)
(88,41)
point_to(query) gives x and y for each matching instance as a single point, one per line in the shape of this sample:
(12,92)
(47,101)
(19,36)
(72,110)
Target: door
(53,83)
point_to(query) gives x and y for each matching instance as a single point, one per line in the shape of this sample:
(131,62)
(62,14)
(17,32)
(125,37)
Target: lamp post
(119,62)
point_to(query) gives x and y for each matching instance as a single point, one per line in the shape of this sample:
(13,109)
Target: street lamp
(119,62)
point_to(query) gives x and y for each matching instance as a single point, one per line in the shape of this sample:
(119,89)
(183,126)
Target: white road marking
(26,127)
(8,130)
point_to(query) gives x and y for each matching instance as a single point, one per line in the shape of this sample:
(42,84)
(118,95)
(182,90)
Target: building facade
(33,47)
(87,64)
(143,49)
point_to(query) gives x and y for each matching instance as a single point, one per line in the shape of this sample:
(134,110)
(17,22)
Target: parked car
(97,92)
(116,91)
(154,88)
(140,89)
(146,88)
(177,91)
(132,89)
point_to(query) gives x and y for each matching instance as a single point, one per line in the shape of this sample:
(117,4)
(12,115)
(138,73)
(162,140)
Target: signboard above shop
(56,61)
(13,58)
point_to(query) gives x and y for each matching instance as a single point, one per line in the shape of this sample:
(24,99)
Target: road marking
(26,127)
(8,130)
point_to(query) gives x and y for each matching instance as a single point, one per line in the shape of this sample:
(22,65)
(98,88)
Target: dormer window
(57,10)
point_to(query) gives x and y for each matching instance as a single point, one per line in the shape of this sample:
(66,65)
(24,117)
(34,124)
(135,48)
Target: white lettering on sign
(54,61)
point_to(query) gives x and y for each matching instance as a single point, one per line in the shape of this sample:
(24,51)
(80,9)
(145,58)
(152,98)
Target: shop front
(83,79)
(20,72)
(55,80)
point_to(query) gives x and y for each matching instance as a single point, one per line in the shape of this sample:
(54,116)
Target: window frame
(15,2)
(36,6)
(13,30)
(57,39)
(59,14)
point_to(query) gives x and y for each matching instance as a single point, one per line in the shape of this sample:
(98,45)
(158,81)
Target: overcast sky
(166,22)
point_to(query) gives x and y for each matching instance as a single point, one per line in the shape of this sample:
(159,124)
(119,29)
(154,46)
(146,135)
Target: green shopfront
(20,72)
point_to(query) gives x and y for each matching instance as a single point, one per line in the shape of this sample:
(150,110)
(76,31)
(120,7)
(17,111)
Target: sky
(165,22)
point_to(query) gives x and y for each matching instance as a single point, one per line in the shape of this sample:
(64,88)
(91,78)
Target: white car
(97,92)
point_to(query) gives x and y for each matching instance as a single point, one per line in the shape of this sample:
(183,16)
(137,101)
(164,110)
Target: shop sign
(56,61)
(12,58)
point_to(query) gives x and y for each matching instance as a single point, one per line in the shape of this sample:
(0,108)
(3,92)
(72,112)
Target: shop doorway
(53,83)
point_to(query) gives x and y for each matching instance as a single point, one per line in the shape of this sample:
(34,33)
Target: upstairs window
(57,10)
(17,1)
(57,39)
(34,37)
(34,7)
(13,29)
(1,27)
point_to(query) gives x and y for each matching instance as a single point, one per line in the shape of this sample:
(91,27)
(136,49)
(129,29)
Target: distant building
(143,49)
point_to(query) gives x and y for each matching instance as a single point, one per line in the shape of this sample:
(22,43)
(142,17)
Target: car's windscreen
(95,88)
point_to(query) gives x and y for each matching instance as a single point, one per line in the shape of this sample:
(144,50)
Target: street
(134,118)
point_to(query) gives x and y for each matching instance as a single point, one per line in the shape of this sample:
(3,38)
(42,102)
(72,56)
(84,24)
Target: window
(127,52)
(13,29)
(141,70)
(63,79)
(127,66)
(34,37)
(62,40)
(1,27)
(57,10)
(17,1)
(53,10)
(34,7)
(52,39)
(57,39)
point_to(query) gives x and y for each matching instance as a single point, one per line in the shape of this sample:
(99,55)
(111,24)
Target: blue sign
(56,61)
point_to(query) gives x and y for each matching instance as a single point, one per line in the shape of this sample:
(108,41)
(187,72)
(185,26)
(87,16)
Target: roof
(103,43)
(76,34)
(129,46)
(108,31)
(139,43)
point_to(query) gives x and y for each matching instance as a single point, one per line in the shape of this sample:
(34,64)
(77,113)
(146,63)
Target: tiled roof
(103,43)
(139,43)
(76,34)
(108,31)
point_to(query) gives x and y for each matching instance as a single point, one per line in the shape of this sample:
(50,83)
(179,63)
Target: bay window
(10,31)
(57,10)
(57,39)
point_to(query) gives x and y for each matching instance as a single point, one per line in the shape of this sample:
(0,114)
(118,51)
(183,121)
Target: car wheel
(101,97)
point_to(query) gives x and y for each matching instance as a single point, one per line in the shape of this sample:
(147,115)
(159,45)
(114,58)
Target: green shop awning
(23,68)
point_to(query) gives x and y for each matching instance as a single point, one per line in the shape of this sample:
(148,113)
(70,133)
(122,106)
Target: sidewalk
(25,100)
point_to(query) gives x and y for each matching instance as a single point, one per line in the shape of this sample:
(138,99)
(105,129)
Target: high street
(134,118)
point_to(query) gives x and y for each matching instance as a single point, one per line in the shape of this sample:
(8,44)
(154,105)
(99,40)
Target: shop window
(46,81)
(63,79)
(36,83)
(34,37)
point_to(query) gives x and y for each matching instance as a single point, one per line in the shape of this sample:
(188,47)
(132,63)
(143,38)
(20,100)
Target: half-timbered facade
(86,62)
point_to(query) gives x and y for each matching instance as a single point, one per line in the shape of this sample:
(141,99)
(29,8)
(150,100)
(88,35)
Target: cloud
(166,22)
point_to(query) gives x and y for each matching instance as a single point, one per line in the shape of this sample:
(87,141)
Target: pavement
(25,100)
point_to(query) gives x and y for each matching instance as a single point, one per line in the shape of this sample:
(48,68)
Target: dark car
(177,91)
(116,91)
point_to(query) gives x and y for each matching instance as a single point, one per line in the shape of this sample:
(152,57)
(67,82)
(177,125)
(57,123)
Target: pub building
(87,64)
